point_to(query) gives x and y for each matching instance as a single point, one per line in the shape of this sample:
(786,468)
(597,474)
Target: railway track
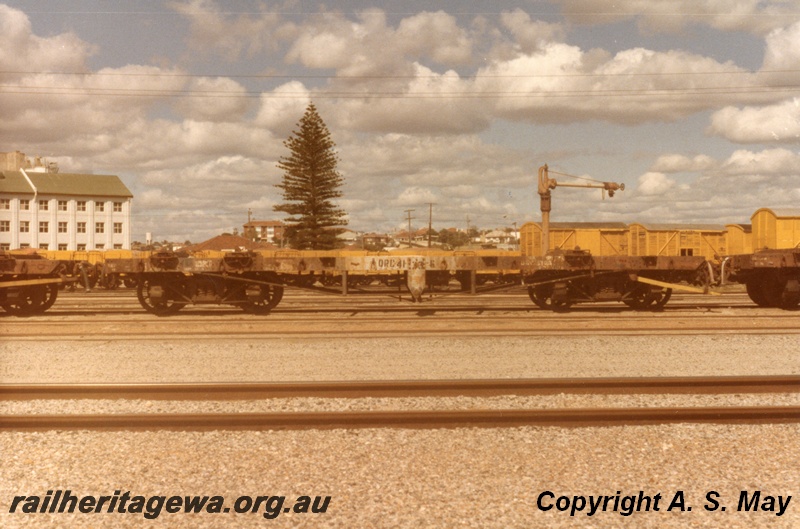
(212,326)
(119,317)
(477,417)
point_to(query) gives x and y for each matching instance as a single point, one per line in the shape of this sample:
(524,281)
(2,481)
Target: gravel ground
(87,406)
(413,478)
(246,360)
(409,478)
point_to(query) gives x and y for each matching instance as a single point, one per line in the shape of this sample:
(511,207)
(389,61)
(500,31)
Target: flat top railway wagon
(772,277)
(165,282)
(560,264)
(29,283)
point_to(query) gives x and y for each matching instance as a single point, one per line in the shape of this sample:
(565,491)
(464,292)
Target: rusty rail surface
(407,388)
(567,418)
(475,418)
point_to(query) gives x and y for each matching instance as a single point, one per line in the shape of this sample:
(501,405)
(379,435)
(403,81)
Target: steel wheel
(33,299)
(542,296)
(268,298)
(160,303)
(765,291)
(661,298)
(560,305)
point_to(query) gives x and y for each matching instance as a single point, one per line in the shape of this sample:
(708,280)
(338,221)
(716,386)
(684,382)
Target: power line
(391,77)
(586,93)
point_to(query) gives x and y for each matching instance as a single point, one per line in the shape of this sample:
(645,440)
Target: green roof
(64,184)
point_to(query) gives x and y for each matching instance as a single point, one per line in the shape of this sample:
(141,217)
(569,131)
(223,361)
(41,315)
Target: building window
(62,205)
(5,225)
(117,227)
(62,227)
(99,246)
(118,247)
(118,207)
(44,246)
(24,245)
(99,206)
(24,205)
(81,247)
(5,203)
(62,247)
(81,227)
(99,227)
(44,205)
(24,226)
(43,226)
(5,246)
(81,205)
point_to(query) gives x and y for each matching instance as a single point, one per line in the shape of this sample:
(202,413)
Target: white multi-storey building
(61,211)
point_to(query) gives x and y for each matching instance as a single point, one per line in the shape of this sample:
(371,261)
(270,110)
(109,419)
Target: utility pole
(516,239)
(430,222)
(408,212)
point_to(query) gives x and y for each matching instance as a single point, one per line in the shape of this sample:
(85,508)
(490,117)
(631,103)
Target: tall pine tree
(310,184)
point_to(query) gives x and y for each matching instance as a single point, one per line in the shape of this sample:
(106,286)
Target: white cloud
(783,49)
(214,99)
(281,108)
(677,163)
(651,184)
(774,162)
(436,35)
(22,51)
(754,16)
(530,35)
(226,35)
(428,103)
(415,196)
(563,84)
(778,123)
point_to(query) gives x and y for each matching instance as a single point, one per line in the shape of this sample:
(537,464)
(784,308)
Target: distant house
(44,209)
(228,243)
(376,239)
(348,236)
(499,237)
(270,231)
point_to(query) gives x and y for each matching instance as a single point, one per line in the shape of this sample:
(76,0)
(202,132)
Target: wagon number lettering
(396,263)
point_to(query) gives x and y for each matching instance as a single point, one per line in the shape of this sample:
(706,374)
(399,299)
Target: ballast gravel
(414,357)
(286,405)
(473,478)
(387,478)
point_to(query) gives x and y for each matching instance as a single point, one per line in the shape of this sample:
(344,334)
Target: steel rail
(407,388)
(271,333)
(565,418)
(385,315)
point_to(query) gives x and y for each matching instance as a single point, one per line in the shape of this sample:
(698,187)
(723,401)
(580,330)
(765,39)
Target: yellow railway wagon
(776,229)
(739,238)
(92,256)
(600,238)
(707,240)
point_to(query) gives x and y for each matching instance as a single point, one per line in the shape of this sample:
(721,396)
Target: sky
(693,104)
